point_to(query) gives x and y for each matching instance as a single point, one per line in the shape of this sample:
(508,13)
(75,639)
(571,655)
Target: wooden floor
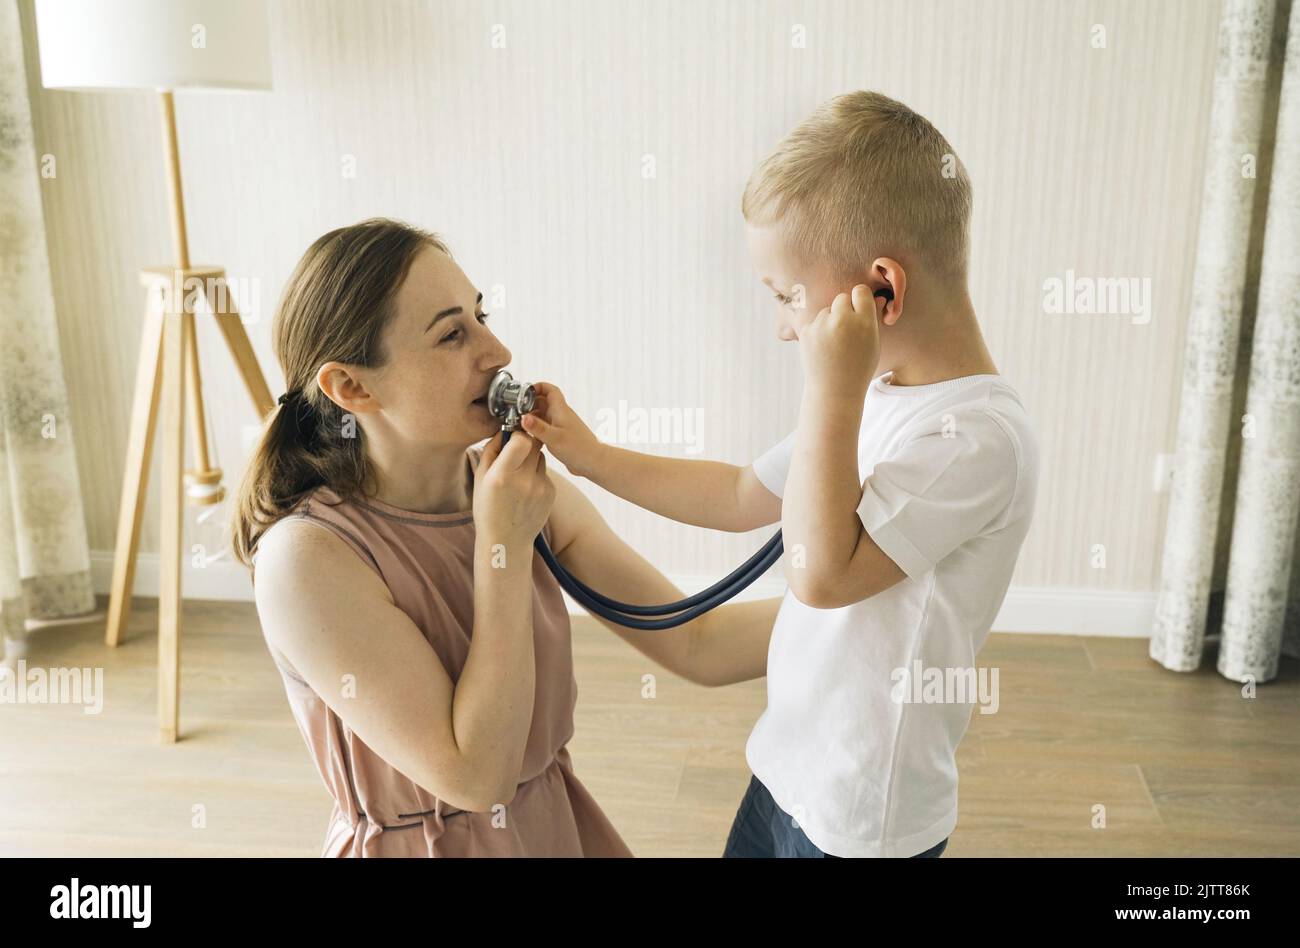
(1182,763)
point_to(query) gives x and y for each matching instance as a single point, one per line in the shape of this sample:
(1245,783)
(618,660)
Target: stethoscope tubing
(624,614)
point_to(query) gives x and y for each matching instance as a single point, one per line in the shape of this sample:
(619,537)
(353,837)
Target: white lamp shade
(153,44)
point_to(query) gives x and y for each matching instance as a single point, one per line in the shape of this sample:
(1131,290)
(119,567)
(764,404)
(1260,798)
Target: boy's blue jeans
(763,829)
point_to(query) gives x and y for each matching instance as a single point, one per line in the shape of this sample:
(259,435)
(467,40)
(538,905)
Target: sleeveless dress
(427,562)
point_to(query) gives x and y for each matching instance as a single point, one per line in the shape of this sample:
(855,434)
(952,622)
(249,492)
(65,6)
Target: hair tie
(286,396)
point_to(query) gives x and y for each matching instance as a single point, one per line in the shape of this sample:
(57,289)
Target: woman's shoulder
(315,530)
(301,559)
(308,586)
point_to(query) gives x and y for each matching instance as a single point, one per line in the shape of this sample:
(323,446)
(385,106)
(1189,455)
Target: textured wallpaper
(585,161)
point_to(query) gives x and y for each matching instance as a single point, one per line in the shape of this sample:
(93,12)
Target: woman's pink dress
(427,562)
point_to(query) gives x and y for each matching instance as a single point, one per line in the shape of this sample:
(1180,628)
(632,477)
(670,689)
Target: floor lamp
(163,45)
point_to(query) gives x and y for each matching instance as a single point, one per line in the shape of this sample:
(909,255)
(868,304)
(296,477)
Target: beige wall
(528,159)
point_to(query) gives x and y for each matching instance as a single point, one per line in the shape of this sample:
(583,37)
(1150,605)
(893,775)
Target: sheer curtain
(44,555)
(1230,562)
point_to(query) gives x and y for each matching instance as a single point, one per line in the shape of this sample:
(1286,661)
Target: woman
(424,649)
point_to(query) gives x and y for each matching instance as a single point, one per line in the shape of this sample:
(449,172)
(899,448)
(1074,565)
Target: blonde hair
(334,308)
(863,176)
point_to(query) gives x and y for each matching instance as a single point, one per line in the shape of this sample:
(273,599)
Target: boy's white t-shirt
(949,474)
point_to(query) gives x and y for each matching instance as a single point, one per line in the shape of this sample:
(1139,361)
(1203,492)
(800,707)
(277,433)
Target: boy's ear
(888,282)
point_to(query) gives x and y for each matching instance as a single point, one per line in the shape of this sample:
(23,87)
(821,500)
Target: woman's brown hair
(335,307)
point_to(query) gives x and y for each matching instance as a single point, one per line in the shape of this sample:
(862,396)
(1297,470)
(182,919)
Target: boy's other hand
(840,346)
(556,425)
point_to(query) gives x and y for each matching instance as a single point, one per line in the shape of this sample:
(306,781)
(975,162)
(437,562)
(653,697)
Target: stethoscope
(509,401)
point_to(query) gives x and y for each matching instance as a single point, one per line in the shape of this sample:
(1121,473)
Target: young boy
(903,498)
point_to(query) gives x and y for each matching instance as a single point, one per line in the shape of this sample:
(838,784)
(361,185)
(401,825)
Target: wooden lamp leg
(241,350)
(194,398)
(175,342)
(139,450)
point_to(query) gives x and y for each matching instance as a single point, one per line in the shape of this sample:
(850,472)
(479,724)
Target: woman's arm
(332,616)
(725,645)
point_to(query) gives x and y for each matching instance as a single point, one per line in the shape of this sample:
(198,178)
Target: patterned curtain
(1230,558)
(44,555)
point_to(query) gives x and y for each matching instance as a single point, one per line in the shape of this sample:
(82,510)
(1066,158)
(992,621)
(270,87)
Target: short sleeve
(773,466)
(940,489)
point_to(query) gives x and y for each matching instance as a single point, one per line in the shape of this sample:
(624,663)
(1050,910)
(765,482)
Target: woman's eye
(456,333)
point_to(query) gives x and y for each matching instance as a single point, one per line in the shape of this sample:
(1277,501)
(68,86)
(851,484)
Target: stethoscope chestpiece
(508,399)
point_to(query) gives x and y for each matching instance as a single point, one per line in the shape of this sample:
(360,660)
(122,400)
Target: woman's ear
(341,383)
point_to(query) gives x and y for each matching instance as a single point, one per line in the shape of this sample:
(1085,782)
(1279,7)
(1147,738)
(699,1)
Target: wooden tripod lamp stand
(164,45)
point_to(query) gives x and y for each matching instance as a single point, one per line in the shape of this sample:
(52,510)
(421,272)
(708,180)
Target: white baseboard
(1061,611)
(222,579)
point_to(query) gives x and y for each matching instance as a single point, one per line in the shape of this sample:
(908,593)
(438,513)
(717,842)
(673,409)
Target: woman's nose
(495,352)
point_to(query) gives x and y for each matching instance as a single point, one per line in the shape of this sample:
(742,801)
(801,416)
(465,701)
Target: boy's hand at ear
(841,564)
(566,436)
(840,346)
